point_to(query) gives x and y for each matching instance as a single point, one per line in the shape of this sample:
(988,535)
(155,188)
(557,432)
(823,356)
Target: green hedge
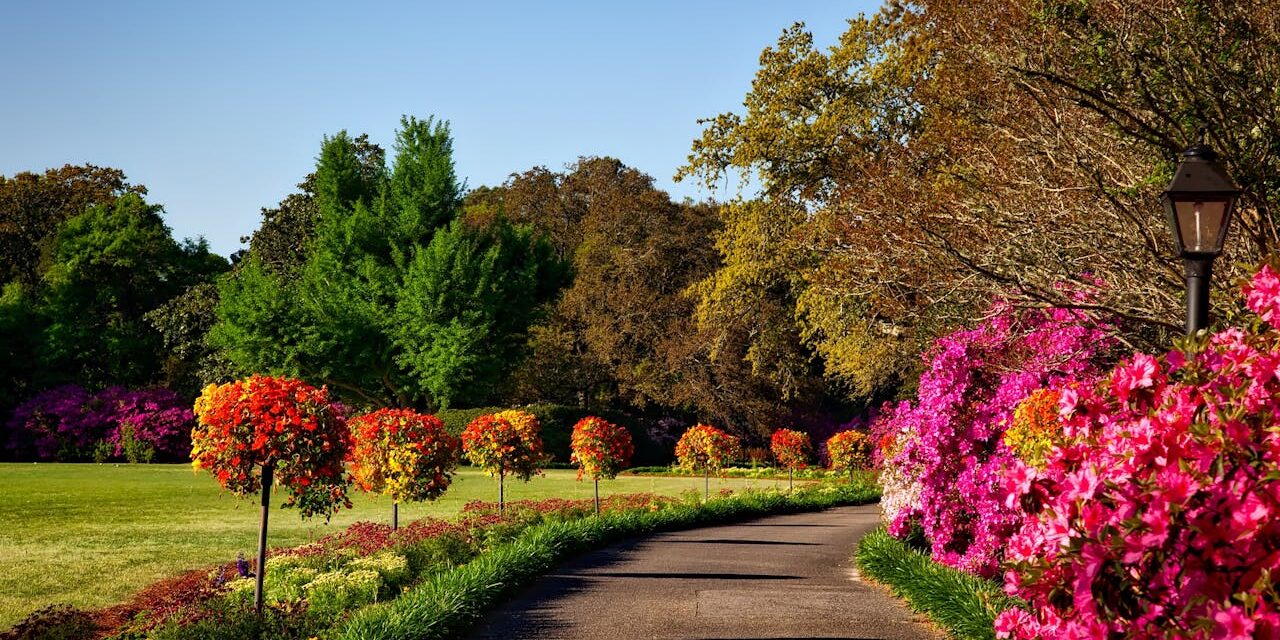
(557,426)
(963,604)
(447,604)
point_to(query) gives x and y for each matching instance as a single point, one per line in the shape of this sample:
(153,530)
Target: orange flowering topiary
(791,448)
(403,454)
(601,449)
(505,443)
(280,424)
(849,451)
(707,449)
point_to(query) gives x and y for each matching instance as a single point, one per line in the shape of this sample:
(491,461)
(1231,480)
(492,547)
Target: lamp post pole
(1199,271)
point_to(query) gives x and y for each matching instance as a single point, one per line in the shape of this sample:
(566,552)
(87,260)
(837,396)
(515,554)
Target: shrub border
(448,604)
(963,604)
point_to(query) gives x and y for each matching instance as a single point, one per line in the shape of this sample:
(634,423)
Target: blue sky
(219,107)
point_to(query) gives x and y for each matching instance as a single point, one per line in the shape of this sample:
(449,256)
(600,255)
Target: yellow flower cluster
(1036,428)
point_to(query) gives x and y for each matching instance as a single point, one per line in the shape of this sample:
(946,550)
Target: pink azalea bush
(945,466)
(1158,515)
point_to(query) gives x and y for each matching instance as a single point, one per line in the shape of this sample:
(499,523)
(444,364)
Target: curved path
(779,577)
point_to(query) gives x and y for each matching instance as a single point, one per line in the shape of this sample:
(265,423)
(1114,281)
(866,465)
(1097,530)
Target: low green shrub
(963,604)
(333,592)
(392,570)
(441,552)
(446,604)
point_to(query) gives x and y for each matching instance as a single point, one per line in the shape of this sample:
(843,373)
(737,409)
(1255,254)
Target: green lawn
(91,535)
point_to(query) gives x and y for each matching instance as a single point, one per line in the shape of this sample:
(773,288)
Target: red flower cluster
(600,448)
(404,454)
(281,422)
(791,448)
(706,448)
(505,443)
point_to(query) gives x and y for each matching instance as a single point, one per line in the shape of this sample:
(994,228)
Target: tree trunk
(597,496)
(268,477)
(502,505)
(791,480)
(395,515)
(706,477)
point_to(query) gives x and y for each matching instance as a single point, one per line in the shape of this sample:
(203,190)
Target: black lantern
(1199,202)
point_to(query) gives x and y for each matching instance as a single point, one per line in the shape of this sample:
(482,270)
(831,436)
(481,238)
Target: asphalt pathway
(780,577)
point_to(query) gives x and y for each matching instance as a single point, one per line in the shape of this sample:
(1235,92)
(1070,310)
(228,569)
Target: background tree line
(935,156)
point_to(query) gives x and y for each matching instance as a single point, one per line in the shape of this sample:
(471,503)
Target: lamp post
(1199,202)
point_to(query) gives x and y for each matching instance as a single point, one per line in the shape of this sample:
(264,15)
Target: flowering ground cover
(67,523)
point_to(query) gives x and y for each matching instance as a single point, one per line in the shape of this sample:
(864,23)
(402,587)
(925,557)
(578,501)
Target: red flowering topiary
(278,422)
(601,449)
(505,443)
(791,448)
(402,454)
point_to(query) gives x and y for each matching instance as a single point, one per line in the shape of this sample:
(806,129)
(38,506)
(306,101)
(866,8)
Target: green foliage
(392,302)
(108,267)
(468,299)
(33,206)
(424,189)
(963,604)
(189,362)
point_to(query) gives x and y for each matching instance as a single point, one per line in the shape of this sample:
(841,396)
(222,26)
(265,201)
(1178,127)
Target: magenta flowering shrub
(52,426)
(1158,517)
(68,423)
(946,468)
(159,418)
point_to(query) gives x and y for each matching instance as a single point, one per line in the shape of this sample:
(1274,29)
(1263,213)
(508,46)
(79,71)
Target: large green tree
(33,205)
(332,318)
(108,267)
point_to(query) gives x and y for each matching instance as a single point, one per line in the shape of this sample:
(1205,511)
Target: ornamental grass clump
(706,449)
(255,432)
(402,454)
(505,443)
(601,449)
(792,450)
(1158,517)
(948,440)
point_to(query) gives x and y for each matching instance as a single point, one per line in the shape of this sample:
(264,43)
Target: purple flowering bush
(68,424)
(945,466)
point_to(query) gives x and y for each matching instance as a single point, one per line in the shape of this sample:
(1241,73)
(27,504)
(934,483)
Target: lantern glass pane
(1200,224)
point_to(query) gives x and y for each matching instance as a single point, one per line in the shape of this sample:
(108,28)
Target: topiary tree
(600,449)
(849,451)
(285,428)
(791,449)
(402,454)
(505,443)
(707,449)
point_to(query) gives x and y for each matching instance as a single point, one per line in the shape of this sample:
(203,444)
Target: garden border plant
(962,603)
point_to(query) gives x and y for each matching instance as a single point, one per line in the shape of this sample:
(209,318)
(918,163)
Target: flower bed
(320,582)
